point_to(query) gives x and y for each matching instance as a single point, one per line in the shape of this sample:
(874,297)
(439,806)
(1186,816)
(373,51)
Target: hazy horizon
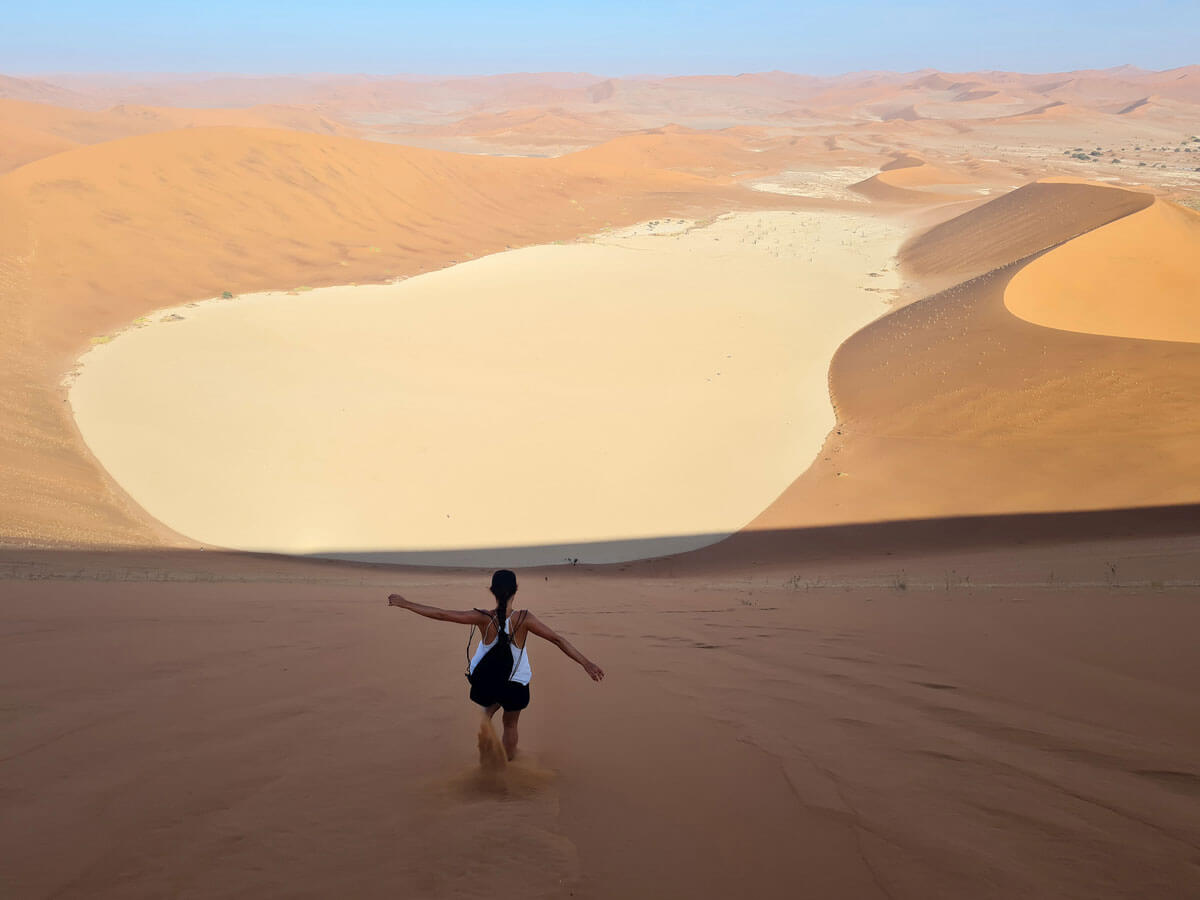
(623,39)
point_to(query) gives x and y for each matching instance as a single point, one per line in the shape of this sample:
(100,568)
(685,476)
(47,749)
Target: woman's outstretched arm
(465,617)
(542,630)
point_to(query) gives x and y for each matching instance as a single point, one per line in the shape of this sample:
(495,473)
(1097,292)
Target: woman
(506,628)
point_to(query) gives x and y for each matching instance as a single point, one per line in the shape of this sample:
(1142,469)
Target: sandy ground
(270,728)
(548,398)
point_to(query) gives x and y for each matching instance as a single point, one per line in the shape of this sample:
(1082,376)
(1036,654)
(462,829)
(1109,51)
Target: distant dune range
(96,236)
(30,131)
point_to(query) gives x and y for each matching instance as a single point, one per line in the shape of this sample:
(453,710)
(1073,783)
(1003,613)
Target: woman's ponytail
(504,586)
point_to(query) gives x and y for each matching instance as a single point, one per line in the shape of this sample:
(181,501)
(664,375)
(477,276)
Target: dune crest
(1011,227)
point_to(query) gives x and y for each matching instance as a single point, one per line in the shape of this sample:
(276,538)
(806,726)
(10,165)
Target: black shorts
(514,696)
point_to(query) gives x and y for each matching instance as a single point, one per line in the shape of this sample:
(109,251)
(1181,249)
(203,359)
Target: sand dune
(20,144)
(541,125)
(34,130)
(1055,108)
(938,699)
(1009,228)
(953,386)
(908,179)
(1136,277)
(130,225)
(675,149)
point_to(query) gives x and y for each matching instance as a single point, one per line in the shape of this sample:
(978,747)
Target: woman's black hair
(504,585)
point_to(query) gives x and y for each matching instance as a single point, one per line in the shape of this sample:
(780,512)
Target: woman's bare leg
(510,732)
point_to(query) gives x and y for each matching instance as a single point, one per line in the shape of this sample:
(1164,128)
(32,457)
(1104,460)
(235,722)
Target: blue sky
(607,38)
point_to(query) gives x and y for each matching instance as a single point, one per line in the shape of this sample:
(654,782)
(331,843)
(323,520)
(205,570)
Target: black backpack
(495,668)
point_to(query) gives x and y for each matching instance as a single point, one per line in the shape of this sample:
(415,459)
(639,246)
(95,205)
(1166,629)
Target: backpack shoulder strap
(471,637)
(517,658)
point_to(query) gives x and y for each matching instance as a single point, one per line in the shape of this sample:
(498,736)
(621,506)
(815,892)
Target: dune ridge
(1014,226)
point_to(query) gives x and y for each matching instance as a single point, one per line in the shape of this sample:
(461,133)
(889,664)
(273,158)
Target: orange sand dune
(907,179)
(953,405)
(295,118)
(20,144)
(541,125)
(1136,277)
(29,131)
(704,154)
(127,226)
(34,130)
(902,161)
(1022,222)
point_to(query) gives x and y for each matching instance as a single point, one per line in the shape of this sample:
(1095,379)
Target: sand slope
(1136,277)
(270,727)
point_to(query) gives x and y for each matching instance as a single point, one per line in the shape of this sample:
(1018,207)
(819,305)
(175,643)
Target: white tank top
(522,672)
